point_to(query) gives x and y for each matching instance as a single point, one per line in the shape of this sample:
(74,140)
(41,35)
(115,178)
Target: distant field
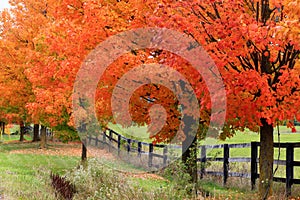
(15,137)
(241,137)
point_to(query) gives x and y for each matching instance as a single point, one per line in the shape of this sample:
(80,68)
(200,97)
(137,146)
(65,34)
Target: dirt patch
(147,176)
(61,149)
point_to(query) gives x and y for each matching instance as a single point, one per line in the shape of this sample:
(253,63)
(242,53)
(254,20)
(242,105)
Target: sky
(3,4)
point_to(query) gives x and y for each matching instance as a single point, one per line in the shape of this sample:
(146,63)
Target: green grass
(7,138)
(248,136)
(24,176)
(133,132)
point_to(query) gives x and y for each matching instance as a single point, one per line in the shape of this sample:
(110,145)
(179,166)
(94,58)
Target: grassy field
(242,137)
(23,176)
(26,176)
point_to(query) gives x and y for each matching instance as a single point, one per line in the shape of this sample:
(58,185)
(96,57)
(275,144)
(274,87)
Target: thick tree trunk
(266,158)
(36,130)
(83,152)
(189,158)
(22,130)
(43,141)
(189,149)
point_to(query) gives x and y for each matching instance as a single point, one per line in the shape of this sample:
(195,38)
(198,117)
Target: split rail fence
(162,152)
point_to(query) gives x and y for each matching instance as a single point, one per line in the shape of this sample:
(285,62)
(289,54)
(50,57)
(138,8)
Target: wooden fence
(161,151)
(121,143)
(289,162)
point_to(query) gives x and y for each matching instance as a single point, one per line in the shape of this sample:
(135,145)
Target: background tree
(85,28)
(27,56)
(36,131)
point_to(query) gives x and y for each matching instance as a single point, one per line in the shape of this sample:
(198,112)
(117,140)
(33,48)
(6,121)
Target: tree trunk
(22,130)
(189,148)
(43,141)
(83,152)
(36,130)
(266,158)
(2,126)
(189,158)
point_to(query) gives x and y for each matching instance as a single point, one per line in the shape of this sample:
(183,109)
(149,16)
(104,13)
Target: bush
(95,181)
(63,188)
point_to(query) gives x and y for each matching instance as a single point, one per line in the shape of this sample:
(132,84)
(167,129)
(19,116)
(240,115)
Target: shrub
(62,187)
(96,181)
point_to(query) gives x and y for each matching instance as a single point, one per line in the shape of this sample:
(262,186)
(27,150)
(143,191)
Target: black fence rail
(289,162)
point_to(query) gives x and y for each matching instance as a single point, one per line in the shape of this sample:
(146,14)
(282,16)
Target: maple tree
(16,90)
(23,49)
(255,44)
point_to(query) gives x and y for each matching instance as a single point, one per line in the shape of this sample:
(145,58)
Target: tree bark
(189,158)
(266,158)
(43,141)
(189,149)
(83,152)
(22,130)
(2,126)
(36,130)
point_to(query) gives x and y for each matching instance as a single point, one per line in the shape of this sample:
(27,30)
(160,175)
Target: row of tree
(254,44)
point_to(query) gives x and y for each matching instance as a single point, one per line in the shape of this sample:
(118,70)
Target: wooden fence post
(128,145)
(104,136)
(96,142)
(139,148)
(203,161)
(150,155)
(225,163)
(119,144)
(110,139)
(254,153)
(165,154)
(90,139)
(289,168)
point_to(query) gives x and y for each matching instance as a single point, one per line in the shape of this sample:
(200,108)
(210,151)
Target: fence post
(289,168)
(104,136)
(225,163)
(165,154)
(110,138)
(96,142)
(203,161)
(128,145)
(119,144)
(90,139)
(139,148)
(150,155)
(253,164)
